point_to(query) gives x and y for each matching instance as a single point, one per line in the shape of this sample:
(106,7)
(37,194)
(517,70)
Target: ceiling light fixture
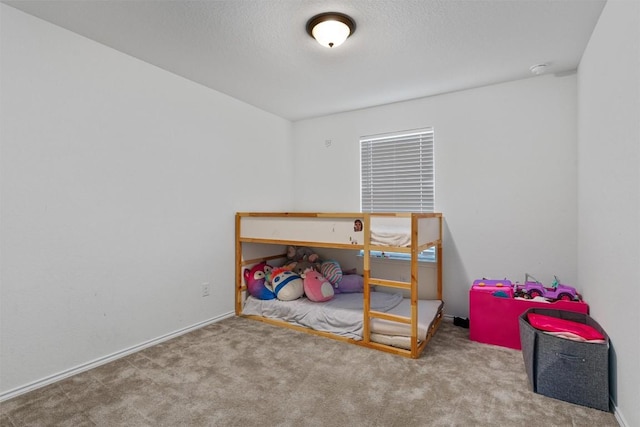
(331,29)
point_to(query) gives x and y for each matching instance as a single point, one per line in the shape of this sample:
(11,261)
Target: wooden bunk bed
(409,233)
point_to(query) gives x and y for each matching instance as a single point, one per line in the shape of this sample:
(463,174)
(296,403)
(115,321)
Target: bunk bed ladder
(411,286)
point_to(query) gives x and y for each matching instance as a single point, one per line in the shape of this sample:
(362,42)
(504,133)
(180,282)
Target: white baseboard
(106,359)
(619,418)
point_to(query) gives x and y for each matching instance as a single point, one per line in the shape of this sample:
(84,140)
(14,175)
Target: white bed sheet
(391,236)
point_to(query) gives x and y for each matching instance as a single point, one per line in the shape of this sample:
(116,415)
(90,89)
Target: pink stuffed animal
(256,280)
(316,287)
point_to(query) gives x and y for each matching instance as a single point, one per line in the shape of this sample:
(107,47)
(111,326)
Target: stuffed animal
(350,283)
(302,267)
(286,284)
(332,271)
(342,281)
(255,278)
(302,253)
(316,287)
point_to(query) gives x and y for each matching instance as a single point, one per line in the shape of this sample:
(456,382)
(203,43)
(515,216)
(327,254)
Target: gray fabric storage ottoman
(573,371)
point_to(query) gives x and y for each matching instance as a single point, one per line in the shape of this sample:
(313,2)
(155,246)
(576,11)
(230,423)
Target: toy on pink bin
(534,288)
(316,287)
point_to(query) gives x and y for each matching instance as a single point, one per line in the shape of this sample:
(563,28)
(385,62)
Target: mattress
(342,315)
(427,312)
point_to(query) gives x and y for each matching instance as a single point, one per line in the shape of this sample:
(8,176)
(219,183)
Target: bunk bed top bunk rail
(347,230)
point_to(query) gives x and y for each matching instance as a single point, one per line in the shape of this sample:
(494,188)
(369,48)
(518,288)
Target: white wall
(119,185)
(117,179)
(609,192)
(505,176)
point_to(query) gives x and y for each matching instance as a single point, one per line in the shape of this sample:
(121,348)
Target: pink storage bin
(491,286)
(494,320)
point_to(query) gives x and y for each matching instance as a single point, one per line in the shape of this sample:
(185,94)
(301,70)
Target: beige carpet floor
(240,372)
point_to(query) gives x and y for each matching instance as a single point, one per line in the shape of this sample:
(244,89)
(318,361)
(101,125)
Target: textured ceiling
(259,52)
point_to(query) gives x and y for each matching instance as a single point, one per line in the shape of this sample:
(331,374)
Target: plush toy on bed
(301,259)
(302,267)
(316,287)
(342,283)
(350,283)
(302,253)
(256,281)
(332,271)
(287,285)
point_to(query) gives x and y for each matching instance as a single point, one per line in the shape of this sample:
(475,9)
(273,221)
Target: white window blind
(397,172)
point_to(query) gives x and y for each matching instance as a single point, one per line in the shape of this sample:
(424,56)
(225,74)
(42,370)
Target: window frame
(388,153)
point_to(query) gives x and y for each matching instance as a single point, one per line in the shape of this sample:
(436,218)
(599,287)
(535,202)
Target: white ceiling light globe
(331,33)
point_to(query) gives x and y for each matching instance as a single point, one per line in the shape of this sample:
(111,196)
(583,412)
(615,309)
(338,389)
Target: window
(397,174)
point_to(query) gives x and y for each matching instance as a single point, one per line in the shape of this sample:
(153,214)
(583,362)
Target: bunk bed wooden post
(439,261)
(366,266)
(238,293)
(414,286)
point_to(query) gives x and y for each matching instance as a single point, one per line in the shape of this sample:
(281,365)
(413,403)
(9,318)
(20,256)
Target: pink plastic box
(494,319)
(491,286)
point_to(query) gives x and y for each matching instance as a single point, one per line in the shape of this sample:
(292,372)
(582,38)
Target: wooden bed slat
(391,317)
(390,283)
(267,258)
(303,243)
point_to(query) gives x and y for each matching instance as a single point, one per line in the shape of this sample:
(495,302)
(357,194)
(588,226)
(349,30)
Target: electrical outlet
(205,289)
